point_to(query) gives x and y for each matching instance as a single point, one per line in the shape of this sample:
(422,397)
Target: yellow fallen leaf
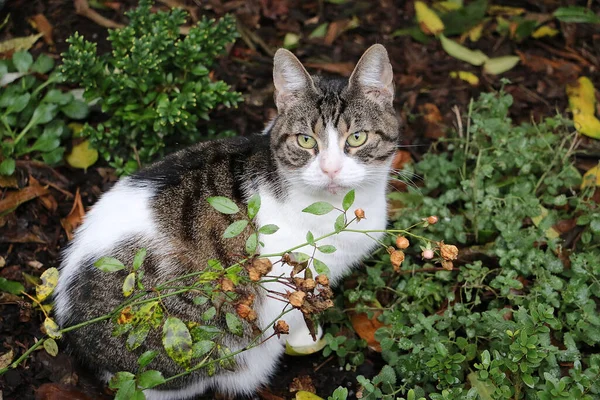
(446,6)
(20,43)
(475,32)
(551,233)
(465,76)
(505,10)
(582,99)
(303,395)
(474,57)
(76,128)
(6,359)
(49,282)
(82,156)
(51,347)
(587,124)
(428,20)
(499,65)
(544,31)
(591,177)
(52,328)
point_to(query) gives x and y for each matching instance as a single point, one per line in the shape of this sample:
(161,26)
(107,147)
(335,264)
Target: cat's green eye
(307,141)
(357,139)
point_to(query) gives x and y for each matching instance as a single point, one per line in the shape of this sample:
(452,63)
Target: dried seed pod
(447,265)
(427,254)
(448,252)
(245,312)
(323,280)
(262,265)
(397,257)
(254,275)
(402,242)
(432,219)
(308,285)
(227,285)
(297,298)
(281,328)
(359,213)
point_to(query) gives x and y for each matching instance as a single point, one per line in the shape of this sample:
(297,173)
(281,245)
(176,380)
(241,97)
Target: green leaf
(53,157)
(340,223)
(348,200)
(126,391)
(149,379)
(146,358)
(461,20)
(129,284)
(109,264)
(310,239)
(209,314)
(58,97)
(499,65)
(319,208)
(43,64)
(200,70)
(139,258)
(201,348)
(119,379)
(320,267)
(137,336)
(253,205)
(51,347)
(177,341)
(200,300)
(7,166)
(18,103)
(76,109)
(45,143)
(528,380)
(327,249)
(474,57)
(235,229)
(485,389)
(22,60)
(252,244)
(576,14)
(320,31)
(268,229)
(223,205)
(12,287)
(43,114)
(234,324)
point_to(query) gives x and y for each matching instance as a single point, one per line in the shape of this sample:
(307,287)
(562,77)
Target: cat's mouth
(333,188)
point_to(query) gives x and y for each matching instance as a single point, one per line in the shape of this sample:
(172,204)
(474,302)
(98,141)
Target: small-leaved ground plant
(154,86)
(34,111)
(516,315)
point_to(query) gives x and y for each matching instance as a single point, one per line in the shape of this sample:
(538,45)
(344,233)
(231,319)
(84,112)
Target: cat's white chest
(294,224)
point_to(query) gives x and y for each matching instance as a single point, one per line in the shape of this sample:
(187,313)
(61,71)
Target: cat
(329,136)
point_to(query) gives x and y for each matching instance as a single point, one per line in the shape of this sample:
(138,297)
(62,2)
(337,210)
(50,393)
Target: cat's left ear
(290,78)
(373,75)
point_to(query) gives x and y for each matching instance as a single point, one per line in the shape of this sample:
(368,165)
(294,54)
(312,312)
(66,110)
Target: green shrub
(154,86)
(518,316)
(33,111)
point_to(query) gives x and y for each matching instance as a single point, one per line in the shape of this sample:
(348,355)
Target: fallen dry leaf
(20,43)
(14,199)
(303,382)
(49,202)
(432,118)
(365,328)
(9,181)
(428,20)
(55,391)
(43,26)
(75,217)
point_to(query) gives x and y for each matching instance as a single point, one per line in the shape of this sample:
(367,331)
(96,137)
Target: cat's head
(334,134)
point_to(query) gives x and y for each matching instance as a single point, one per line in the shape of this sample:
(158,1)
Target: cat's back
(165,200)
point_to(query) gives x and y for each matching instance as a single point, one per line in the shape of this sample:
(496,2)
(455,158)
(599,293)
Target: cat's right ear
(290,78)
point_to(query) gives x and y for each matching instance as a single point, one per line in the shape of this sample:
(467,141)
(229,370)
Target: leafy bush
(33,111)
(519,318)
(154,86)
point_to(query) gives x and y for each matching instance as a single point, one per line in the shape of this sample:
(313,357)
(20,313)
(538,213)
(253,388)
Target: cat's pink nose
(330,167)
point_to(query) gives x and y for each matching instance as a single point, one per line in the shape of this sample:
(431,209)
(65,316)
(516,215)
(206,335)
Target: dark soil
(31,237)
